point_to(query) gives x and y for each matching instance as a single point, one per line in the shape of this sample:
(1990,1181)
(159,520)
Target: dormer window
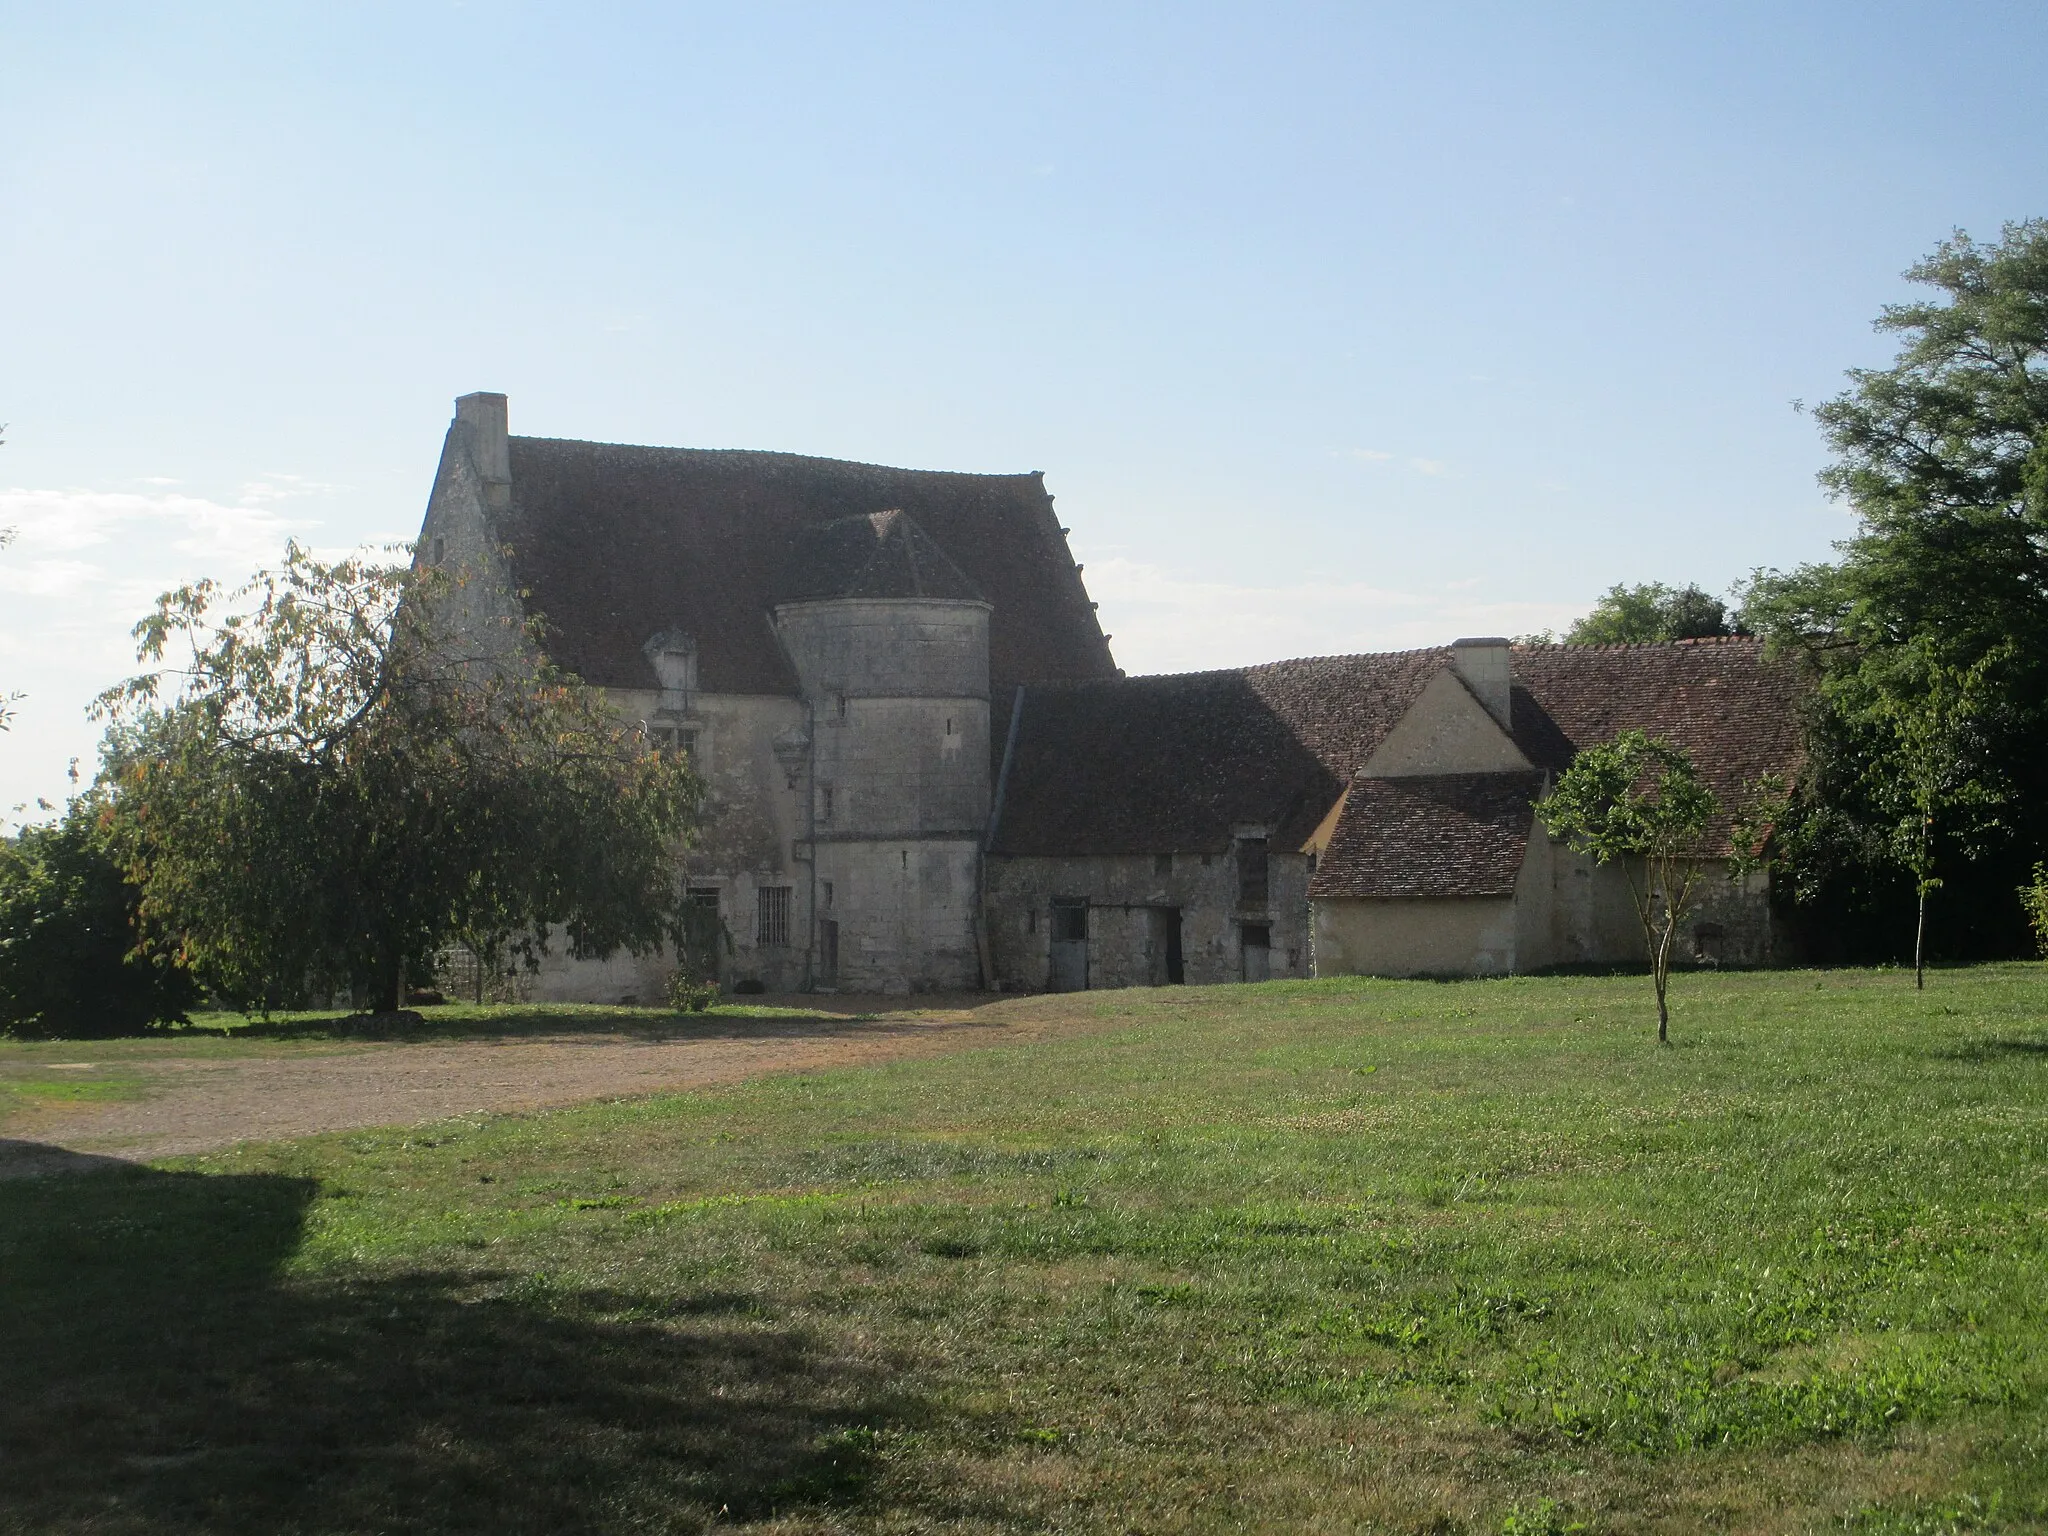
(674,657)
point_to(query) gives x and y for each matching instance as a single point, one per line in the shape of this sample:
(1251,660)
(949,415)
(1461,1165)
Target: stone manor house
(925,771)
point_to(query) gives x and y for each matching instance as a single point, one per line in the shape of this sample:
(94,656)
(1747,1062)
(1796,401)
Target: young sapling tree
(1639,802)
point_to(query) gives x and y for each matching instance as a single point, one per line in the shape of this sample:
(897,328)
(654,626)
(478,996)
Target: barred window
(772,915)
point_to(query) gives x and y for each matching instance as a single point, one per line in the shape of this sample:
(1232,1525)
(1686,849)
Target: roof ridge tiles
(781,453)
(1637,645)
(1268,666)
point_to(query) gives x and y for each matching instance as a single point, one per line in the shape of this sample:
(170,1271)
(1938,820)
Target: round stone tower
(889,641)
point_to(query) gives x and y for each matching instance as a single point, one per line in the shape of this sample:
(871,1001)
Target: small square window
(1162,863)
(827,888)
(825,802)
(673,738)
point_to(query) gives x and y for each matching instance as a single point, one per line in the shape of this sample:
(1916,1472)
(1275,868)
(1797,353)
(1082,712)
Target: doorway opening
(1069,945)
(1255,944)
(828,953)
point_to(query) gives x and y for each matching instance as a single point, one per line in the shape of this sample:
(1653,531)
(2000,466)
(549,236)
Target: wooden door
(1070,946)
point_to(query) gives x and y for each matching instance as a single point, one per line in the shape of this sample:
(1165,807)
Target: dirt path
(193,1104)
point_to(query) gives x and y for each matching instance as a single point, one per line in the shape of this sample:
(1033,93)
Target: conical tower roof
(877,555)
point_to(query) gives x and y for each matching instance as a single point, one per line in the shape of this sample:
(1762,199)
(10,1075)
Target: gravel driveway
(195,1104)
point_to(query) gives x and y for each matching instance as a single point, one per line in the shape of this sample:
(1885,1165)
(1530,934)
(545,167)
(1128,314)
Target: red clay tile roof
(1453,834)
(1736,712)
(1174,763)
(616,543)
(881,555)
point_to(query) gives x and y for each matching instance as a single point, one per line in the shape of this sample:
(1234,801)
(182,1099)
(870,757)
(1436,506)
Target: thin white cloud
(1437,467)
(1162,621)
(61,522)
(282,487)
(45,578)
(86,566)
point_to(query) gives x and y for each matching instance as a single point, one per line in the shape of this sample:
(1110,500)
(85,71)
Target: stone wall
(898,790)
(1129,898)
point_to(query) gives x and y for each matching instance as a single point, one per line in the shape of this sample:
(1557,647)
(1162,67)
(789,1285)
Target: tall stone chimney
(1483,664)
(490,445)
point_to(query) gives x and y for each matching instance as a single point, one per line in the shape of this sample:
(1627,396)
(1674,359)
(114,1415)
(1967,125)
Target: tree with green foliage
(1638,801)
(1651,613)
(331,787)
(73,960)
(2034,899)
(1944,458)
(1933,780)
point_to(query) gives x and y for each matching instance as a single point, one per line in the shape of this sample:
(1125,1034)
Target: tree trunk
(390,995)
(1920,944)
(1660,972)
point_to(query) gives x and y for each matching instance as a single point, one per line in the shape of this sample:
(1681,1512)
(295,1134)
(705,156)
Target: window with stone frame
(670,737)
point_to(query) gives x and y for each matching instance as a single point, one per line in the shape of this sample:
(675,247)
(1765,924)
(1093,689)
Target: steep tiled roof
(616,543)
(1159,764)
(1174,763)
(1735,711)
(1455,834)
(881,555)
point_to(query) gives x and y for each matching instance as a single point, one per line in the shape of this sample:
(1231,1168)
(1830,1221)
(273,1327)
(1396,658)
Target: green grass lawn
(1321,1256)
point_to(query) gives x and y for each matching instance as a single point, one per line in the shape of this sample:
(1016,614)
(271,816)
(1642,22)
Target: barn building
(924,770)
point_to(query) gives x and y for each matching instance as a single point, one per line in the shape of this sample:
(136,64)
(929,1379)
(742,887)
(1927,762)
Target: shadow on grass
(782,1018)
(162,1373)
(1997,1050)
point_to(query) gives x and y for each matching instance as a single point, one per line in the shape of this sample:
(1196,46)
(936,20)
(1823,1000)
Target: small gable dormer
(674,655)
(1458,724)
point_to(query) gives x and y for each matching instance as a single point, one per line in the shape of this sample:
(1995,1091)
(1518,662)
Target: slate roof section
(1175,763)
(614,543)
(1433,835)
(880,555)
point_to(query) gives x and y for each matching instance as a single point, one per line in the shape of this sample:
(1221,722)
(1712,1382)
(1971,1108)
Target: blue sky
(1334,327)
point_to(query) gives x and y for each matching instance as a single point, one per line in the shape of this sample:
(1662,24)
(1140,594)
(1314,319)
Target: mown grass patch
(1340,1255)
(28,1085)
